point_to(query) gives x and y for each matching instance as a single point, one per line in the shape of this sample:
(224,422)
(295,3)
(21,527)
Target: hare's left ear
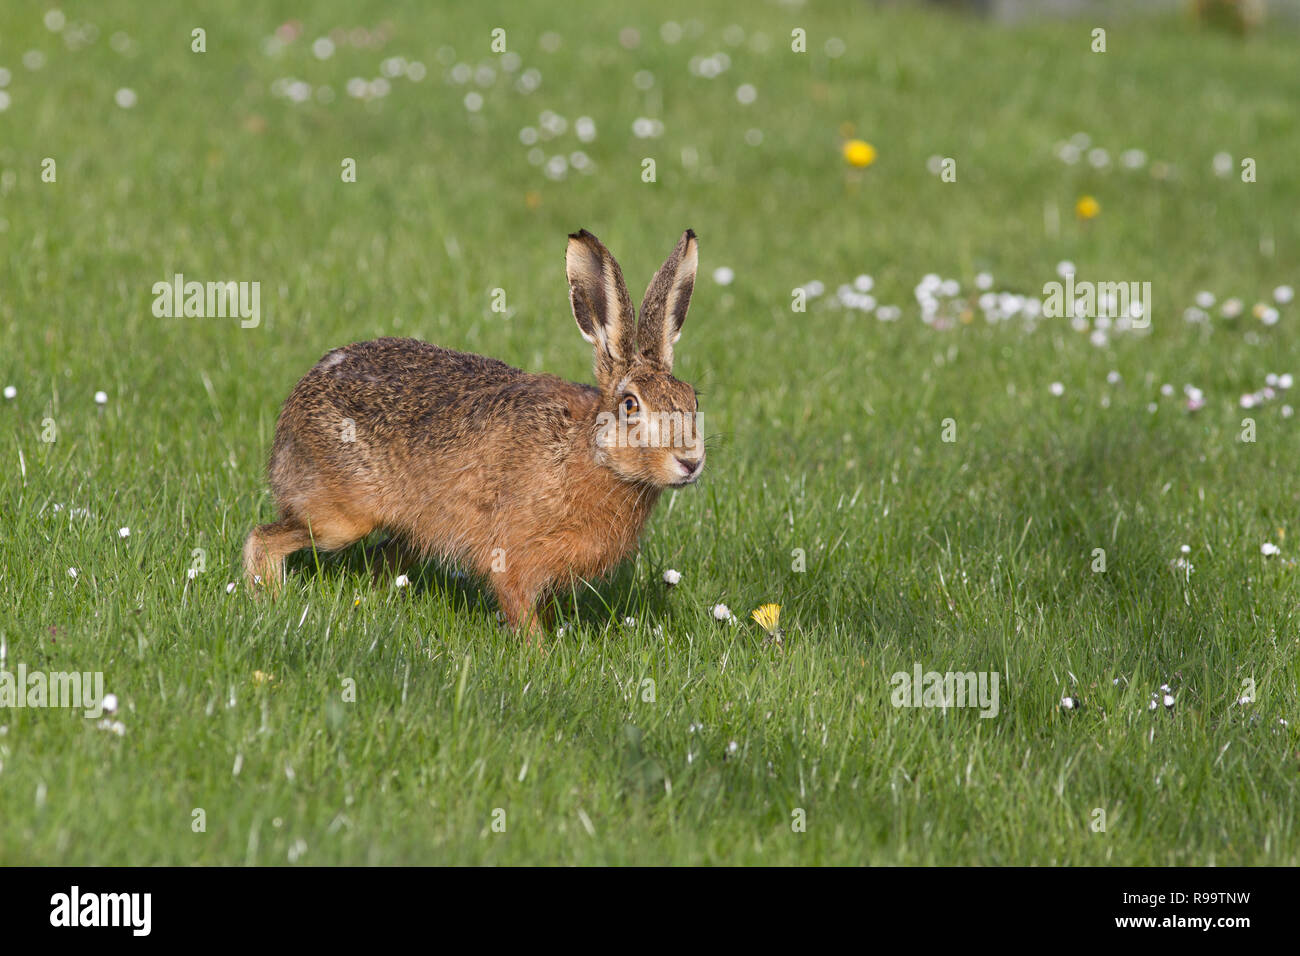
(663,311)
(601,305)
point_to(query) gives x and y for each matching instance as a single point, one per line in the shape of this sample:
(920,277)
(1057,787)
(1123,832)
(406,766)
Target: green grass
(974,555)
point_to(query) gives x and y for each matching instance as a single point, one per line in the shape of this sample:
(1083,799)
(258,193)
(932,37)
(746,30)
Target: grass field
(672,738)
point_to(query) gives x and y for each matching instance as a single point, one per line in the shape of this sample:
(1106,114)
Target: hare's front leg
(390,557)
(517,600)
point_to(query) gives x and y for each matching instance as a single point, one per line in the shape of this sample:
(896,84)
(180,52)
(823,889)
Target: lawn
(938,489)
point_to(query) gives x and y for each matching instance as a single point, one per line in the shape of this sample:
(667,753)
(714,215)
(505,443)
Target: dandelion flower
(1087,207)
(859,153)
(767,616)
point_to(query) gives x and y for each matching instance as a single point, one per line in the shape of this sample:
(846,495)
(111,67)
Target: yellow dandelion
(859,153)
(767,617)
(1087,207)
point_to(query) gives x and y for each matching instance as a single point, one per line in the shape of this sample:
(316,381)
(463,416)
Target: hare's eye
(630,404)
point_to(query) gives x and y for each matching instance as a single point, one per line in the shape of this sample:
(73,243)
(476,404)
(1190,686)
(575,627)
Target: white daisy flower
(672,577)
(1268,549)
(401,581)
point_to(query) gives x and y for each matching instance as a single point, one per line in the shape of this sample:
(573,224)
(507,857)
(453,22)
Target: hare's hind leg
(267,547)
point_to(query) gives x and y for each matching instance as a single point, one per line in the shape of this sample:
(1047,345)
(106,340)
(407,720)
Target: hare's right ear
(600,304)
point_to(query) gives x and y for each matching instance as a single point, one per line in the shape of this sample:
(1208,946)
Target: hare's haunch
(526,479)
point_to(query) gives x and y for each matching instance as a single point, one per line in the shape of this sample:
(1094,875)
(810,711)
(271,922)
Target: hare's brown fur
(467,459)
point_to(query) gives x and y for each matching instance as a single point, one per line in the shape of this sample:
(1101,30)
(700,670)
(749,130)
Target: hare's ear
(600,303)
(663,311)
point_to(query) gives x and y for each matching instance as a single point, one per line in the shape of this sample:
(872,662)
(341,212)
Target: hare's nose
(689,465)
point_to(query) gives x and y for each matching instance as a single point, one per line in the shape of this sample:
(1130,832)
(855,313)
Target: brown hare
(528,480)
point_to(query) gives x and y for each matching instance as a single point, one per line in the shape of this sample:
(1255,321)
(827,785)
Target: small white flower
(125,98)
(11,392)
(72,572)
(1113,377)
(124,532)
(672,577)
(1057,389)
(723,275)
(401,581)
(230,588)
(721,612)
(110,703)
(984,281)
(1167,700)
(1064,268)
(1231,308)
(1133,158)
(1223,164)
(1069,703)
(1285,380)
(1186,549)
(1244,700)
(864,283)
(192,573)
(1205,299)
(1283,294)
(746,93)
(1166,390)
(101,398)
(1268,549)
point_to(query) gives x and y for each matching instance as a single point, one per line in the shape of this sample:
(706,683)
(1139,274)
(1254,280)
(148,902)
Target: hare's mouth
(691,468)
